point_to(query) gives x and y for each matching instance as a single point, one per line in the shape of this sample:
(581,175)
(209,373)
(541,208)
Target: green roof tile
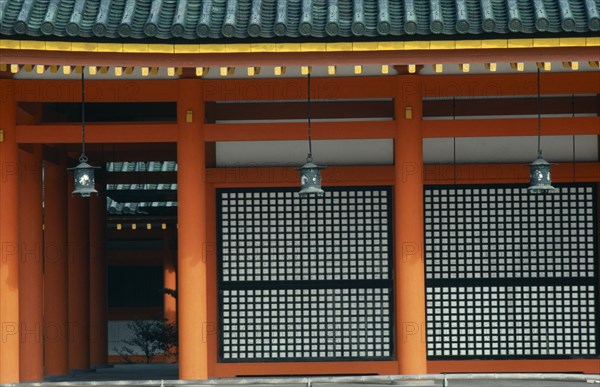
(273,20)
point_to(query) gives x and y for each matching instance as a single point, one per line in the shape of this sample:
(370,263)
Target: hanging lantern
(539,176)
(539,171)
(310,179)
(310,173)
(84,178)
(84,172)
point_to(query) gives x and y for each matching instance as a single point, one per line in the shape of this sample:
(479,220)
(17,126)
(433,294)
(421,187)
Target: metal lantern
(84,172)
(539,176)
(84,178)
(310,179)
(310,173)
(539,170)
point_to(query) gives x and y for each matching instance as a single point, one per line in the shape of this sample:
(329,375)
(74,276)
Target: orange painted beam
(160,133)
(551,126)
(97,133)
(588,366)
(295,89)
(384,175)
(31,268)
(96,91)
(502,85)
(298,131)
(229,370)
(289,177)
(322,88)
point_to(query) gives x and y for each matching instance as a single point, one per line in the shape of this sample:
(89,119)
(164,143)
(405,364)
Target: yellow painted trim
(417,45)
(546,42)
(84,47)
(520,43)
(364,46)
(442,45)
(592,42)
(297,47)
(390,46)
(32,45)
(238,48)
(288,47)
(467,44)
(212,48)
(494,43)
(161,48)
(58,46)
(339,47)
(185,49)
(572,42)
(135,48)
(10,44)
(263,47)
(110,47)
(313,47)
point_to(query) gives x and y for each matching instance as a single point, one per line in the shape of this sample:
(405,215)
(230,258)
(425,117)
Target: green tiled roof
(298,20)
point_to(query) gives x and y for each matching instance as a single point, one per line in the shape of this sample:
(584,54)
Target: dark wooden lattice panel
(510,274)
(305,279)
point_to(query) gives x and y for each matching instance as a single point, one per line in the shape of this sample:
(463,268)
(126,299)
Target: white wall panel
(293,153)
(510,149)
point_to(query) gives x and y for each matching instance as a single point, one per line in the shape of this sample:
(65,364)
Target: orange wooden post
(170,279)
(79,280)
(98,282)
(31,367)
(169,282)
(191,196)
(56,333)
(9,237)
(411,345)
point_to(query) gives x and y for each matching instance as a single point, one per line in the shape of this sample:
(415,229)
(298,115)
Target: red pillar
(31,367)
(411,343)
(170,282)
(170,279)
(9,237)
(79,280)
(191,196)
(98,282)
(56,355)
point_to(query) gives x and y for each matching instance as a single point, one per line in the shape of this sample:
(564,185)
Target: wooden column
(9,237)
(98,281)
(56,332)
(169,278)
(191,196)
(31,367)
(170,282)
(79,280)
(410,276)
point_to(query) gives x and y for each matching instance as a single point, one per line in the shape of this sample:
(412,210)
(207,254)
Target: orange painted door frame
(9,237)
